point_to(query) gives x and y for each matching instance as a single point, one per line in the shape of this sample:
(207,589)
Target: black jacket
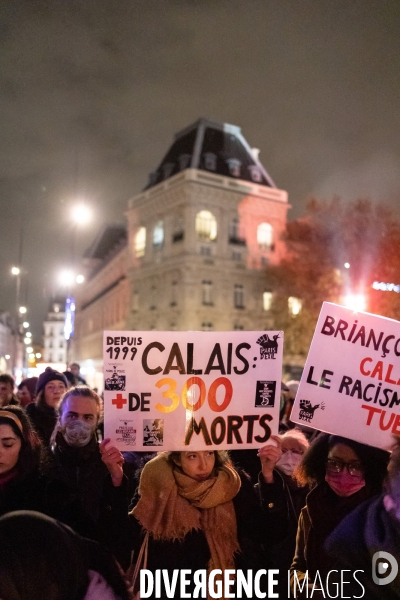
(44,419)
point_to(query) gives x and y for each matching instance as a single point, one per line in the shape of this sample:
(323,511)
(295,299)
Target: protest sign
(191,390)
(351,380)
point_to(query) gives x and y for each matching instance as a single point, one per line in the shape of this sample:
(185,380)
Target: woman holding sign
(197,512)
(344,474)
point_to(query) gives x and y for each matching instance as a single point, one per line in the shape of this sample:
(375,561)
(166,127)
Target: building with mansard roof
(201,233)
(197,241)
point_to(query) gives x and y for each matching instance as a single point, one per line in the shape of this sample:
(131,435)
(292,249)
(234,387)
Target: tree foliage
(365,235)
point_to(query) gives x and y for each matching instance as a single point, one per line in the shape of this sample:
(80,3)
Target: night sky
(92,92)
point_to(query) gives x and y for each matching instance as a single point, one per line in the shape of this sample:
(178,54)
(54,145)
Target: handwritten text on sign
(191,390)
(351,381)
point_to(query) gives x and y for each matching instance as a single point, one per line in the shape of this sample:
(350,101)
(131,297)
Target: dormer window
(255,173)
(158,234)
(153,178)
(234,166)
(206,226)
(264,236)
(167,170)
(210,161)
(184,161)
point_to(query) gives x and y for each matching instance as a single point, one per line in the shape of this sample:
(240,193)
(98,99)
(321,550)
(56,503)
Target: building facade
(201,234)
(194,252)
(54,342)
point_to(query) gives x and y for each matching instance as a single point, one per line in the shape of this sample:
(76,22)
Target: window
(294,305)
(238,296)
(167,169)
(235,236)
(234,166)
(255,173)
(264,236)
(238,327)
(210,161)
(206,226)
(207,293)
(174,293)
(178,232)
(61,358)
(140,242)
(267,300)
(236,256)
(158,234)
(184,161)
(205,250)
(61,344)
(207,326)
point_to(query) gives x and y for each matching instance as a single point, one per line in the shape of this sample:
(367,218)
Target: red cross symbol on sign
(119,401)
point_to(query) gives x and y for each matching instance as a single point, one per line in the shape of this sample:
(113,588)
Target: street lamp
(23,310)
(81,214)
(15,271)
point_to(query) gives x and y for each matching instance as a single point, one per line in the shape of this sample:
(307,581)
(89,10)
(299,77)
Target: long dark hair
(313,466)
(31,453)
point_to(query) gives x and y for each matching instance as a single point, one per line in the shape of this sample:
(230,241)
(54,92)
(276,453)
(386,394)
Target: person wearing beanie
(51,387)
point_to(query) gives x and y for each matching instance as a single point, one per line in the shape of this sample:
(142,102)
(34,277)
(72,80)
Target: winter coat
(24,493)
(367,530)
(81,486)
(193,552)
(282,501)
(324,510)
(44,419)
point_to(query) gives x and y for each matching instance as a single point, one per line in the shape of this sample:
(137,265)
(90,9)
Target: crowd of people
(77,516)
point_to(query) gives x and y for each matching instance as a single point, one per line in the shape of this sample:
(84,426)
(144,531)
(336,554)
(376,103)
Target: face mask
(288,462)
(78,433)
(344,484)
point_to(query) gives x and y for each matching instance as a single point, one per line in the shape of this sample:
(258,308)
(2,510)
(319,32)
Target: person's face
(24,396)
(198,465)
(344,454)
(75,370)
(79,407)
(10,446)
(53,392)
(6,392)
(292,445)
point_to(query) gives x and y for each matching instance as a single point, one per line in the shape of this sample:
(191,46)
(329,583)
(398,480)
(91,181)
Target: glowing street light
(356,302)
(28,334)
(7,356)
(25,324)
(38,355)
(80,279)
(29,350)
(23,310)
(346,265)
(15,271)
(66,278)
(81,214)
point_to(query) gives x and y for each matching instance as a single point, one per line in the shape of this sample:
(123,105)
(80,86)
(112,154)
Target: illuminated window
(140,241)
(206,225)
(264,236)
(238,296)
(294,305)
(207,293)
(158,234)
(267,300)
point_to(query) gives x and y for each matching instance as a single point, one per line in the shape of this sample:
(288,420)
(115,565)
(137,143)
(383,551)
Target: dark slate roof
(110,239)
(214,147)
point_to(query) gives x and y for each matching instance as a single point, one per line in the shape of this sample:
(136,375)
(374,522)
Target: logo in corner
(384,568)
(307,410)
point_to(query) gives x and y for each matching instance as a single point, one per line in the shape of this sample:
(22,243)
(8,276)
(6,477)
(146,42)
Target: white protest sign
(191,390)
(351,380)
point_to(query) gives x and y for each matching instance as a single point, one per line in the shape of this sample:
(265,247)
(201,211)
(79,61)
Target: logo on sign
(116,380)
(307,410)
(269,348)
(265,393)
(384,568)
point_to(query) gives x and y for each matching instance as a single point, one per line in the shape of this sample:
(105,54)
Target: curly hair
(31,454)
(312,468)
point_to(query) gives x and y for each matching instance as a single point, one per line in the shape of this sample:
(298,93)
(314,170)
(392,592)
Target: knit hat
(50,375)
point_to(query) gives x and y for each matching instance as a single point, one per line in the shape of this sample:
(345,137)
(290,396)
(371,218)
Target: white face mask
(78,433)
(288,462)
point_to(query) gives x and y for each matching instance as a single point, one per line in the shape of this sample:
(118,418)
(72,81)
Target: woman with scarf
(281,496)
(41,558)
(197,512)
(344,474)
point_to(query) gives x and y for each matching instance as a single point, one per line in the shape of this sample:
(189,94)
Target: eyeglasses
(334,465)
